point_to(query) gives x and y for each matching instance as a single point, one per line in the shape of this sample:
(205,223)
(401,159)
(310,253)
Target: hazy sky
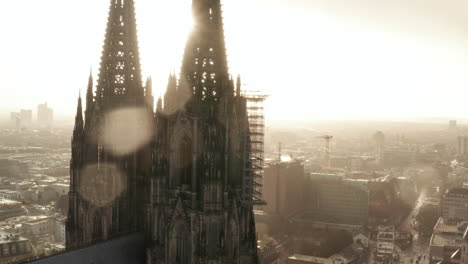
(317,59)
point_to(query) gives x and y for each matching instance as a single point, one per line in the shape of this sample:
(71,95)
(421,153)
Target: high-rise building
(454,204)
(45,115)
(182,175)
(21,119)
(335,199)
(447,241)
(462,145)
(15,120)
(283,188)
(26,117)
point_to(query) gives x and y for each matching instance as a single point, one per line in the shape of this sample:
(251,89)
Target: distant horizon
(271,121)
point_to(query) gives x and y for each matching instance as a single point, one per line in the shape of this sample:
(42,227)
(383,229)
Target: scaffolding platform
(253,174)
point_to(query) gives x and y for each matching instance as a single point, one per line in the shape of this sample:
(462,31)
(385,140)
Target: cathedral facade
(179,174)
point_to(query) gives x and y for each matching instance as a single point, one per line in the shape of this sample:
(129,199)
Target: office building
(335,199)
(283,188)
(454,204)
(45,115)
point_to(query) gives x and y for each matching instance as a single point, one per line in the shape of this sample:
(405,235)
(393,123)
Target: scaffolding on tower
(253,176)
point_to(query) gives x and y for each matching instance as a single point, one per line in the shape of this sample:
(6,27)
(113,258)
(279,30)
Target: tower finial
(149,93)
(238,86)
(89,92)
(159,106)
(149,86)
(78,118)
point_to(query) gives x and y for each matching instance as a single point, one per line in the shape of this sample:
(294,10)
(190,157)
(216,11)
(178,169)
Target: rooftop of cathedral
(126,249)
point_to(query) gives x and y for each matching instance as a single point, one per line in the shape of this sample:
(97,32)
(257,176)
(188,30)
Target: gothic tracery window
(180,244)
(233,240)
(97,227)
(183,162)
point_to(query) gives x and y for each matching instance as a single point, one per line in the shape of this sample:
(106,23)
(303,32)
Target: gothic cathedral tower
(200,212)
(181,175)
(112,146)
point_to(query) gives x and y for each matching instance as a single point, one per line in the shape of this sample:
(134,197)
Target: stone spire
(77,137)
(89,96)
(204,66)
(149,92)
(120,70)
(149,87)
(171,96)
(111,206)
(159,106)
(78,130)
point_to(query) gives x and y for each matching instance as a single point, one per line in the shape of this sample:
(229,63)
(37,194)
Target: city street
(420,245)
(408,224)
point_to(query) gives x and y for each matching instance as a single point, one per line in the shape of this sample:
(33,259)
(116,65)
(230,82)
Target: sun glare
(163,29)
(275,46)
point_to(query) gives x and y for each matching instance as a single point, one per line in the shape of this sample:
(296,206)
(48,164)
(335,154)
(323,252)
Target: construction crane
(327,139)
(280,153)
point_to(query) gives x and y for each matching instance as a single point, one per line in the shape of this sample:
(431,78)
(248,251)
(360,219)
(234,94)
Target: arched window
(232,240)
(213,239)
(97,227)
(181,168)
(185,159)
(180,244)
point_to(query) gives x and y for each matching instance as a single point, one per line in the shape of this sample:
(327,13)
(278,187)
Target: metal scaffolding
(253,180)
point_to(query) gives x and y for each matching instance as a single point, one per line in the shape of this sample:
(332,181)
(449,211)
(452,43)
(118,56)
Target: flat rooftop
(9,191)
(444,226)
(8,202)
(8,238)
(310,259)
(459,191)
(36,221)
(441,240)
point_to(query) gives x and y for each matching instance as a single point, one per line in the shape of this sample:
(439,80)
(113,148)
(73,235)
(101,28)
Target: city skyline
(174,158)
(341,57)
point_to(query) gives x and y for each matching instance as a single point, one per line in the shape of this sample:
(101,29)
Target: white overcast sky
(318,59)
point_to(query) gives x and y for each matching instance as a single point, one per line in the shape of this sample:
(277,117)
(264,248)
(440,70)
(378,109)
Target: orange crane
(327,139)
